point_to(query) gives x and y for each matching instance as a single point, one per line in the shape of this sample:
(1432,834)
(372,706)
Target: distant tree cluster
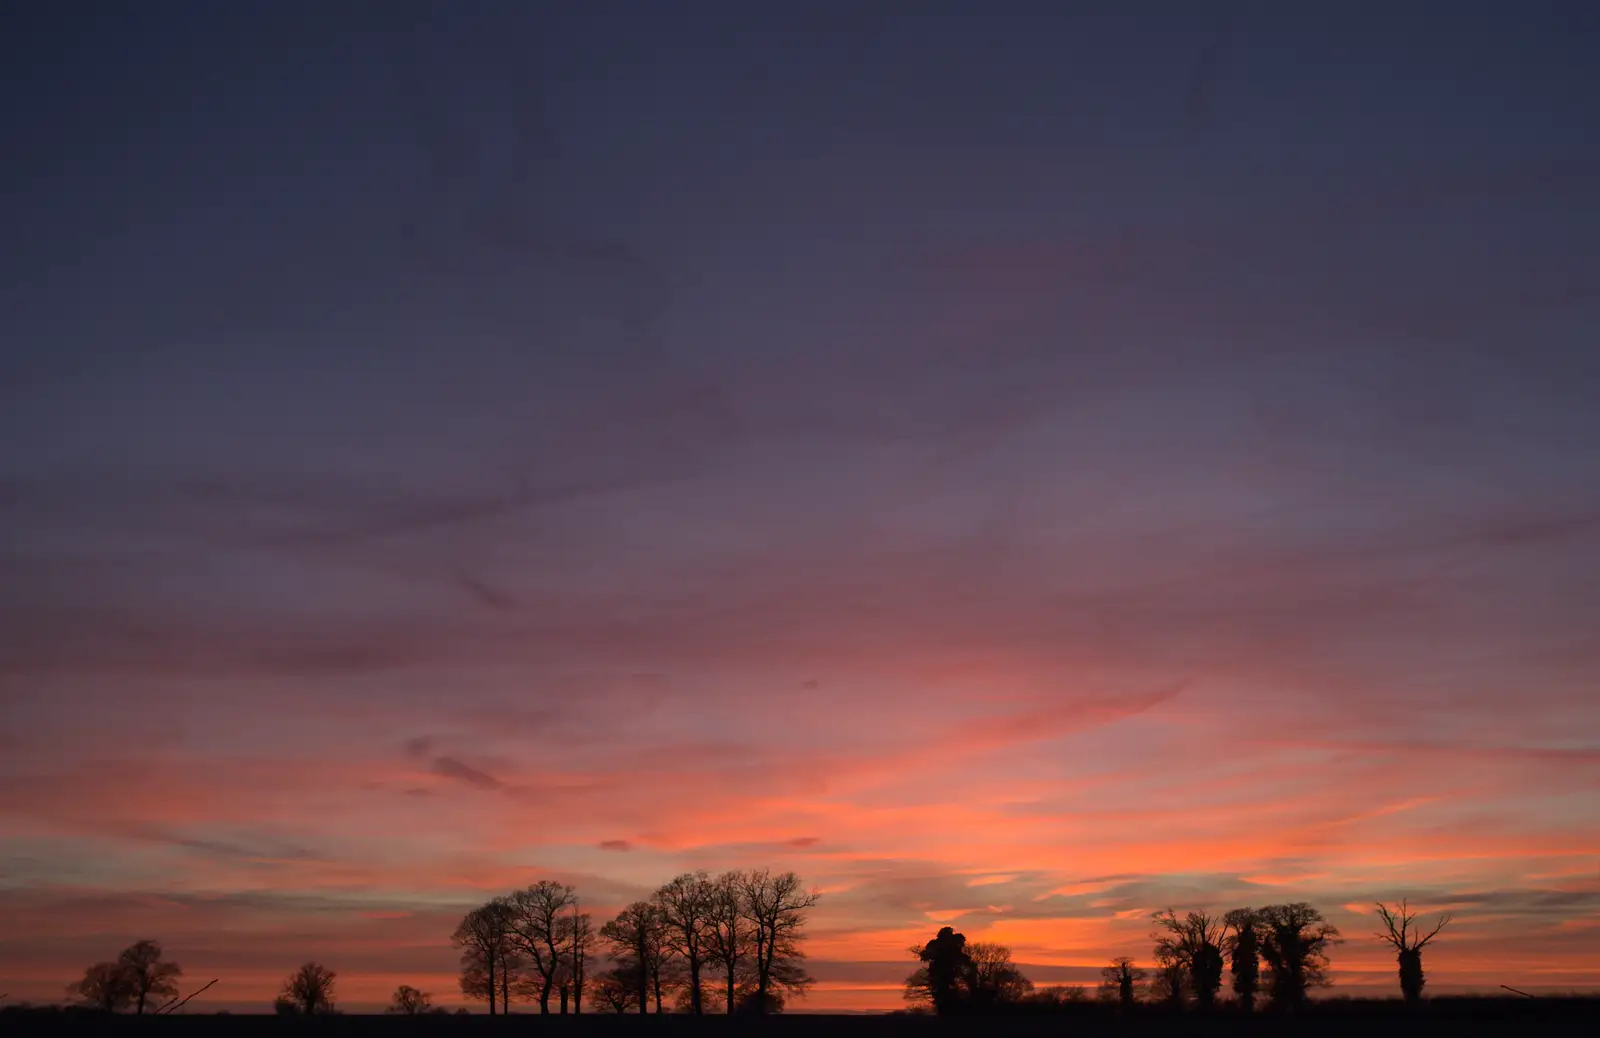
(408,1001)
(138,978)
(1291,940)
(699,944)
(957,977)
(1279,951)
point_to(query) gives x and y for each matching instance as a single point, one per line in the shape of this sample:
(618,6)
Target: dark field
(1466,1016)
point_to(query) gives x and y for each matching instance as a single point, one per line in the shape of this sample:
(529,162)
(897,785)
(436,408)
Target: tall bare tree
(1404,934)
(732,937)
(1244,954)
(310,989)
(688,908)
(1194,944)
(580,950)
(1295,939)
(665,968)
(635,939)
(488,953)
(539,927)
(105,985)
(776,907)
(150,977)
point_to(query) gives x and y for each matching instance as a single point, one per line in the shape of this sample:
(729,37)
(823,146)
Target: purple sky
(1015,470)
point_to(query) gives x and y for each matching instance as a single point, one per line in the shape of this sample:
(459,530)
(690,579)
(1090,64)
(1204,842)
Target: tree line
(1278,952)
(731,944)
(700,944)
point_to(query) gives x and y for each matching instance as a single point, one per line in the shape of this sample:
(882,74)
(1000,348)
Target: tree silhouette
(1405,935)
(662,965)
(1244,954)
(1119,981)
(409,1001)
(310,989)
(1294,942)
(1194,945)
(688,906)
(537,942)
(957,977)
(635,939)
(946,974)
(1205,974)
(775,906)
(105,985)
(488,954)
(995,979)
(580,949)
(537,919)
(150,978)
(732,938)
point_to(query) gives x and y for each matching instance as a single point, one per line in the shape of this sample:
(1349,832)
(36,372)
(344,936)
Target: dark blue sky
(959,362)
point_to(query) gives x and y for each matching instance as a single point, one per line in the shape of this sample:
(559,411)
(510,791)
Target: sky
(1020,470)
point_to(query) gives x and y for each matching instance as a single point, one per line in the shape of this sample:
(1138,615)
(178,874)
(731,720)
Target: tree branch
(171,1008)
(1444,918)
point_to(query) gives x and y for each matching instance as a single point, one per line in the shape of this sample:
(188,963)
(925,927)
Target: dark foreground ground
(1448,1017)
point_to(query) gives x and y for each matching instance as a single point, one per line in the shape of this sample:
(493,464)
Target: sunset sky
(1018,472)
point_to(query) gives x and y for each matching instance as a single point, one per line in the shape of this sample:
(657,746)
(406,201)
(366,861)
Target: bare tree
(776,907)
(1193,944)
(487,953)
(996,980)
(1405,935)
(408,1001)
(310,989)
(105,985)
(539,927)
(149,976)
(1244,953)
(665,968)
(635,939)
(1120,980)
(732,937)
(580,949)
(1295,939)
(688,907)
